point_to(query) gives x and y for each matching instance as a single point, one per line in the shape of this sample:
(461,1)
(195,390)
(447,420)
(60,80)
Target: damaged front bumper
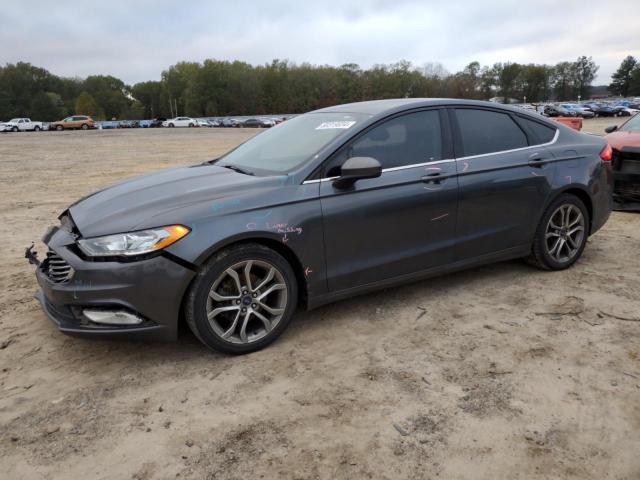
(87,297)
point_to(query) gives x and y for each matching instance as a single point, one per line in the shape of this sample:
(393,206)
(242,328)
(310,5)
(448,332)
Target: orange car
(83,122)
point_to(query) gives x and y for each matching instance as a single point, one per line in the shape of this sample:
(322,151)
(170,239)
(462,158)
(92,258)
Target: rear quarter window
(541,133)
(485,131)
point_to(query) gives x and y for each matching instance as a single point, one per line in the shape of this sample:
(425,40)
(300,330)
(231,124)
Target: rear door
(402,222)
(505,176)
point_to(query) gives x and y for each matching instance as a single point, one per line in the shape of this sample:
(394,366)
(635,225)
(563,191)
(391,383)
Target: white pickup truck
(21,124)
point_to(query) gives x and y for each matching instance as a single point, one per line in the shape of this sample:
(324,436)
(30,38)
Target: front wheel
(242,299)
(561,235)
(14,129)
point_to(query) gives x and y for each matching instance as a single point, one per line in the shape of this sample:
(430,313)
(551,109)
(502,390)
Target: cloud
(137,40)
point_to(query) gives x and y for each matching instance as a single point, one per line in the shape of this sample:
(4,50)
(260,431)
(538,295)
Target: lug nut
(254,295)
(244,309)
(254,305)
(237,302)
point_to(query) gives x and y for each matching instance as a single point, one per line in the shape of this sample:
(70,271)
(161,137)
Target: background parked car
(252,123)
(214,122)
(628,111)
(180,122)
(21,125)
(578,110)
(557,111)
(157,122)
(202,122)
(109,124)
(607,111)
(230,122)
(75,122)
(625,141)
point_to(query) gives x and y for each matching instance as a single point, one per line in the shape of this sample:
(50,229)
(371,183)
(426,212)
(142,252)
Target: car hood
(133,203)
(622,139)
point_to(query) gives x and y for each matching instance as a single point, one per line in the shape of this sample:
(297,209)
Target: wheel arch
(582,194)
(275,245)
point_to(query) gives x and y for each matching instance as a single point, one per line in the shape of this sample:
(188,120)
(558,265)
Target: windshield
(288,145)
(633,125)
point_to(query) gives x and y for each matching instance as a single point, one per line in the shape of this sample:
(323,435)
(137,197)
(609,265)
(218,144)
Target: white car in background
(180,122)
(203,123)
(21,125)
(628,112)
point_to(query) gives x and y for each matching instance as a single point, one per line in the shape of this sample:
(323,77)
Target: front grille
(56,268)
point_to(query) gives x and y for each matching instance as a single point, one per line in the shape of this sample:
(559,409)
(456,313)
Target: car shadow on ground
(337,315)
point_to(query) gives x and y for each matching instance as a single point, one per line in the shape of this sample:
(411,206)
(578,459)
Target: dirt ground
(500,372)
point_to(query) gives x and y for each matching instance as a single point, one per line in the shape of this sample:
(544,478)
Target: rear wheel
(171,125)
(85,126)
(59,128)
(36,128)
(242,300)
(561,235)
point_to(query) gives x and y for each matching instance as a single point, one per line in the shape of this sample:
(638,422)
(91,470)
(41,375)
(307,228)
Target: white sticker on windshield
(332,125)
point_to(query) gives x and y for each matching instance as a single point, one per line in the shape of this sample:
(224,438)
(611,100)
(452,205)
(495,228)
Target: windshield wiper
(237,169)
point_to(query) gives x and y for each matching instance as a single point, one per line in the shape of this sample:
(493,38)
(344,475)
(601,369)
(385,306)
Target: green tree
(634,84)
(45,106)
(622,78)
(584,71)
(110,93)
(87,105)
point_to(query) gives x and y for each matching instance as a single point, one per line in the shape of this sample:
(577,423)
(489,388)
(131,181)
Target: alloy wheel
(247,301)
(565,233)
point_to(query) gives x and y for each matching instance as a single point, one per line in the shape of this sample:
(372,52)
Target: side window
(542,133)
(405,140)
(485,131)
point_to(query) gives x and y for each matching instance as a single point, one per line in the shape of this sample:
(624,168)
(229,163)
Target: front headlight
(133,243)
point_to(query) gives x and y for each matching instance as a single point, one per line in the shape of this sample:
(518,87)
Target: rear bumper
(151,289)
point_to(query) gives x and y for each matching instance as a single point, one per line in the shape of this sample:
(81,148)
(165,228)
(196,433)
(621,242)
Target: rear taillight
(607,153)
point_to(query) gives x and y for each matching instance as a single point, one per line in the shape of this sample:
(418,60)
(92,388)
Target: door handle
(433,177)
(538,162)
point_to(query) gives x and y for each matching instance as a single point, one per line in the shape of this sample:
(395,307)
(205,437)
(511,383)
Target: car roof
(382,108)
(377,107)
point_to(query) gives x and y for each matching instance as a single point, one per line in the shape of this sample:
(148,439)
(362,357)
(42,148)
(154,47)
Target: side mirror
(610,129)
(357,168)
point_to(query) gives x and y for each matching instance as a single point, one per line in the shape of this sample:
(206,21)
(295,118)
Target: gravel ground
(499,372)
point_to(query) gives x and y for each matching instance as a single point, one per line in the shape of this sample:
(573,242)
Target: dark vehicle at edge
(625,141)
(328,205)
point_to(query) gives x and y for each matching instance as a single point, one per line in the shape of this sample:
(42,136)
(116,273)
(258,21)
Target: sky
(137,40)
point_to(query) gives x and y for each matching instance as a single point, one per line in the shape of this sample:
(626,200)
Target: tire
(59,128)
(171,125)
(553,232)
(14,129)
(36,128)
(84,126)
(191,125)
(224,332)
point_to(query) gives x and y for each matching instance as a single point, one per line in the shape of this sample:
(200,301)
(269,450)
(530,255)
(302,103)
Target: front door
(402,222)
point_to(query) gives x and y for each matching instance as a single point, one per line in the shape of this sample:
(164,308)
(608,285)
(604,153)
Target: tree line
(626,80)
(220,88)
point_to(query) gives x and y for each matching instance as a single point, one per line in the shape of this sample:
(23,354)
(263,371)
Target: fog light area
(112,317)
